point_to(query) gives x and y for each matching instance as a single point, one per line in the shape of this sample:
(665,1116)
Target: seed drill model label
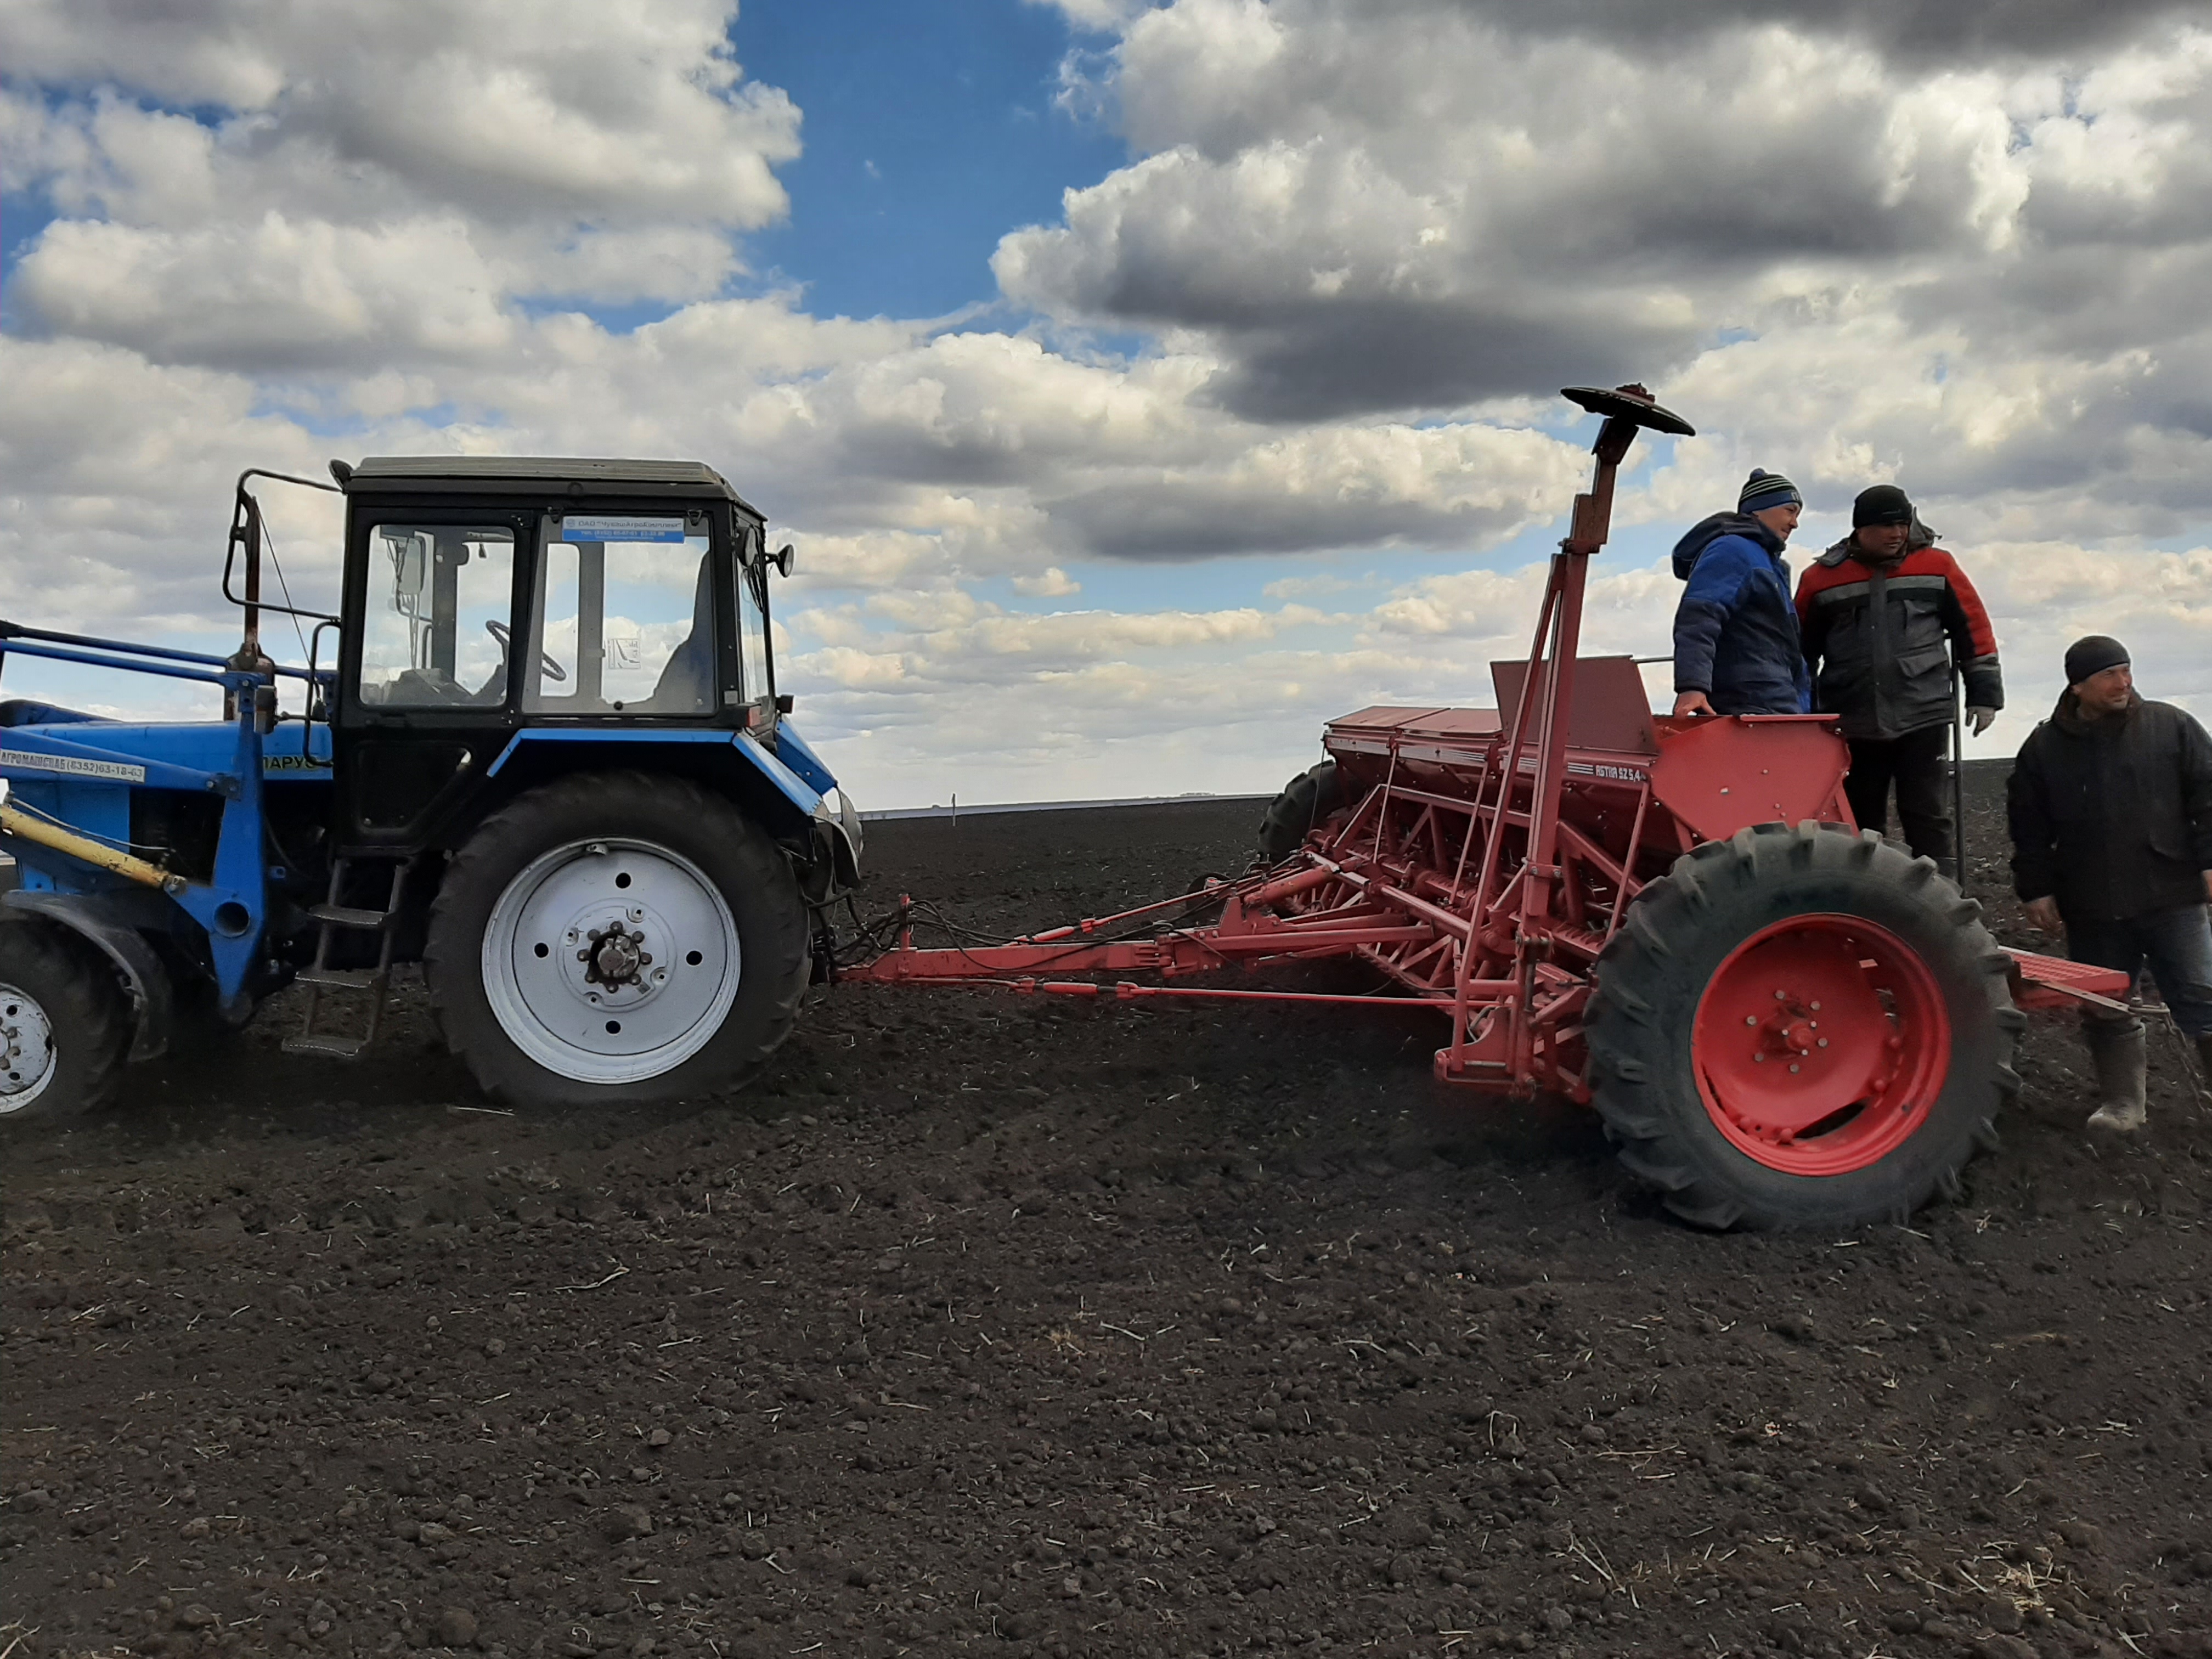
(619,527)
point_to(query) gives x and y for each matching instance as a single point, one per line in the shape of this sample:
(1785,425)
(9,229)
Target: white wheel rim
(27,1049)
(610,961)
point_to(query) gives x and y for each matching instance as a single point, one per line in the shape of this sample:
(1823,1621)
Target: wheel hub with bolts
(617,958)
(1791,1034)
(27,1049)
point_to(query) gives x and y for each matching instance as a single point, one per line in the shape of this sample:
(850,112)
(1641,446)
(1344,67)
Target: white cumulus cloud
(1306,339)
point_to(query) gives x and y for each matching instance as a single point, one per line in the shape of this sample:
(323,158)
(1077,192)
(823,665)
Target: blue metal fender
(795,752)
(792,769)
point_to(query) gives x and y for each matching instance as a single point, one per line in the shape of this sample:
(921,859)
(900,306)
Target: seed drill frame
(1484,860)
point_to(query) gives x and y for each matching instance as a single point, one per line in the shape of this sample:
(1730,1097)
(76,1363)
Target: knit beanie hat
(1883,504)
(1763,490)
(2093,655)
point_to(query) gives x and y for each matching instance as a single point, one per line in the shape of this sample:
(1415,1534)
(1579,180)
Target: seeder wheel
(1800,1028)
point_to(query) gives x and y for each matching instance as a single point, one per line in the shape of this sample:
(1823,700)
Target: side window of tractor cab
(756,671)
(622,622)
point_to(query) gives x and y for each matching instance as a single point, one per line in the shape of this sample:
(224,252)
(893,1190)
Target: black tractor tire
(64,1024)
(1661,964)
(1307,799)
(669,817)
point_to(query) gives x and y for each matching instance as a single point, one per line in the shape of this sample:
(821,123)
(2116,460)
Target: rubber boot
(2120,1053)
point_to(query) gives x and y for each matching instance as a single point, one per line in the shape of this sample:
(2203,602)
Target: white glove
(1979,719)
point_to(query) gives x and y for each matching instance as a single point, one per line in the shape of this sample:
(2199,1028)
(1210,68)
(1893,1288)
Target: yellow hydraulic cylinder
(14,821)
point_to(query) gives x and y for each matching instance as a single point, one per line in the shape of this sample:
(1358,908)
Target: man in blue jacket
(1737,646)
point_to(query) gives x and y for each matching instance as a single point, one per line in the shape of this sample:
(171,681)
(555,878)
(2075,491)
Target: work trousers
(1914,763)
(2176,946)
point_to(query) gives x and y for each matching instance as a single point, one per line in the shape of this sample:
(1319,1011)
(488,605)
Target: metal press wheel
(1800,1027)
(617,937)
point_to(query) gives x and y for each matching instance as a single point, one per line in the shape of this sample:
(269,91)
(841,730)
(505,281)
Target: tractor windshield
(624,617)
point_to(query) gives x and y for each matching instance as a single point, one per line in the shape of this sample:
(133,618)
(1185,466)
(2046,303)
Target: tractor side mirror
(781,560)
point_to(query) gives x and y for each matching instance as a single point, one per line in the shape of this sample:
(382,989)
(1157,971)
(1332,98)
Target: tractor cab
(646,598)
(493,604)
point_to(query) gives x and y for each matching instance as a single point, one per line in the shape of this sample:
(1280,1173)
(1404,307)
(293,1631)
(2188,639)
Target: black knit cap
(2093,655)
(1883,504)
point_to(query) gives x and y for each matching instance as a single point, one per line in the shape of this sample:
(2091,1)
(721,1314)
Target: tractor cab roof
(531,474)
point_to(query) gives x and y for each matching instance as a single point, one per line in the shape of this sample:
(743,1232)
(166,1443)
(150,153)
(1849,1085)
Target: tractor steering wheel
(500,631)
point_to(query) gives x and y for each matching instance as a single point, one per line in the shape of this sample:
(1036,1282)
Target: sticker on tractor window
(72,765)
(619,527)
(625,651)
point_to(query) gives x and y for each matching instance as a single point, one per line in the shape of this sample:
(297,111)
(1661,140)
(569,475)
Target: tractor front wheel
(1305,801)
(1800,1028)
(64,1024)
(616,937)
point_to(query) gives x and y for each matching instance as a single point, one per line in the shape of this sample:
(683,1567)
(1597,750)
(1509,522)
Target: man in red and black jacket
(1876,611)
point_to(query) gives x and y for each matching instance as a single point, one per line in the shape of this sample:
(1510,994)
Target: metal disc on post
(1628,403)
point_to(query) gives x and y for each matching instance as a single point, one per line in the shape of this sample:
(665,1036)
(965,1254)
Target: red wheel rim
(1819,1044)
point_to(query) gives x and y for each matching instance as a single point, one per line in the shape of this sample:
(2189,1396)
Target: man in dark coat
(1876,609)
(2110,809)
(1736,649)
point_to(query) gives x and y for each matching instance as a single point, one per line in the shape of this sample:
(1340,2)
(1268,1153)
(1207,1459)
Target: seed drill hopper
(1782,1020)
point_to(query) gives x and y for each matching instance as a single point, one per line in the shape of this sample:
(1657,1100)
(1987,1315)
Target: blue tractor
(550,762)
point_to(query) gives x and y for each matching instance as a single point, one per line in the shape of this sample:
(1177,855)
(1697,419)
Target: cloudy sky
(1141,385)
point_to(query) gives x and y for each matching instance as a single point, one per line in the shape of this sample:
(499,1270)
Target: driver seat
(686,685)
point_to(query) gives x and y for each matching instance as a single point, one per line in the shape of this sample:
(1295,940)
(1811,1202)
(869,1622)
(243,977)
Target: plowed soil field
(1028,1328)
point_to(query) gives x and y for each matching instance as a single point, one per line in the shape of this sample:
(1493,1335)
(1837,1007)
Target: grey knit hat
(1763,490)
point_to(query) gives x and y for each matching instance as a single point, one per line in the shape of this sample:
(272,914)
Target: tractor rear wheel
(616,937)
(1800,1028)
(1305,801)
(64,1024)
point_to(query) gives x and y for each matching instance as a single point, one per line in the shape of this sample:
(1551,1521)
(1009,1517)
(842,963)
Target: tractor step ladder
(321,979)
